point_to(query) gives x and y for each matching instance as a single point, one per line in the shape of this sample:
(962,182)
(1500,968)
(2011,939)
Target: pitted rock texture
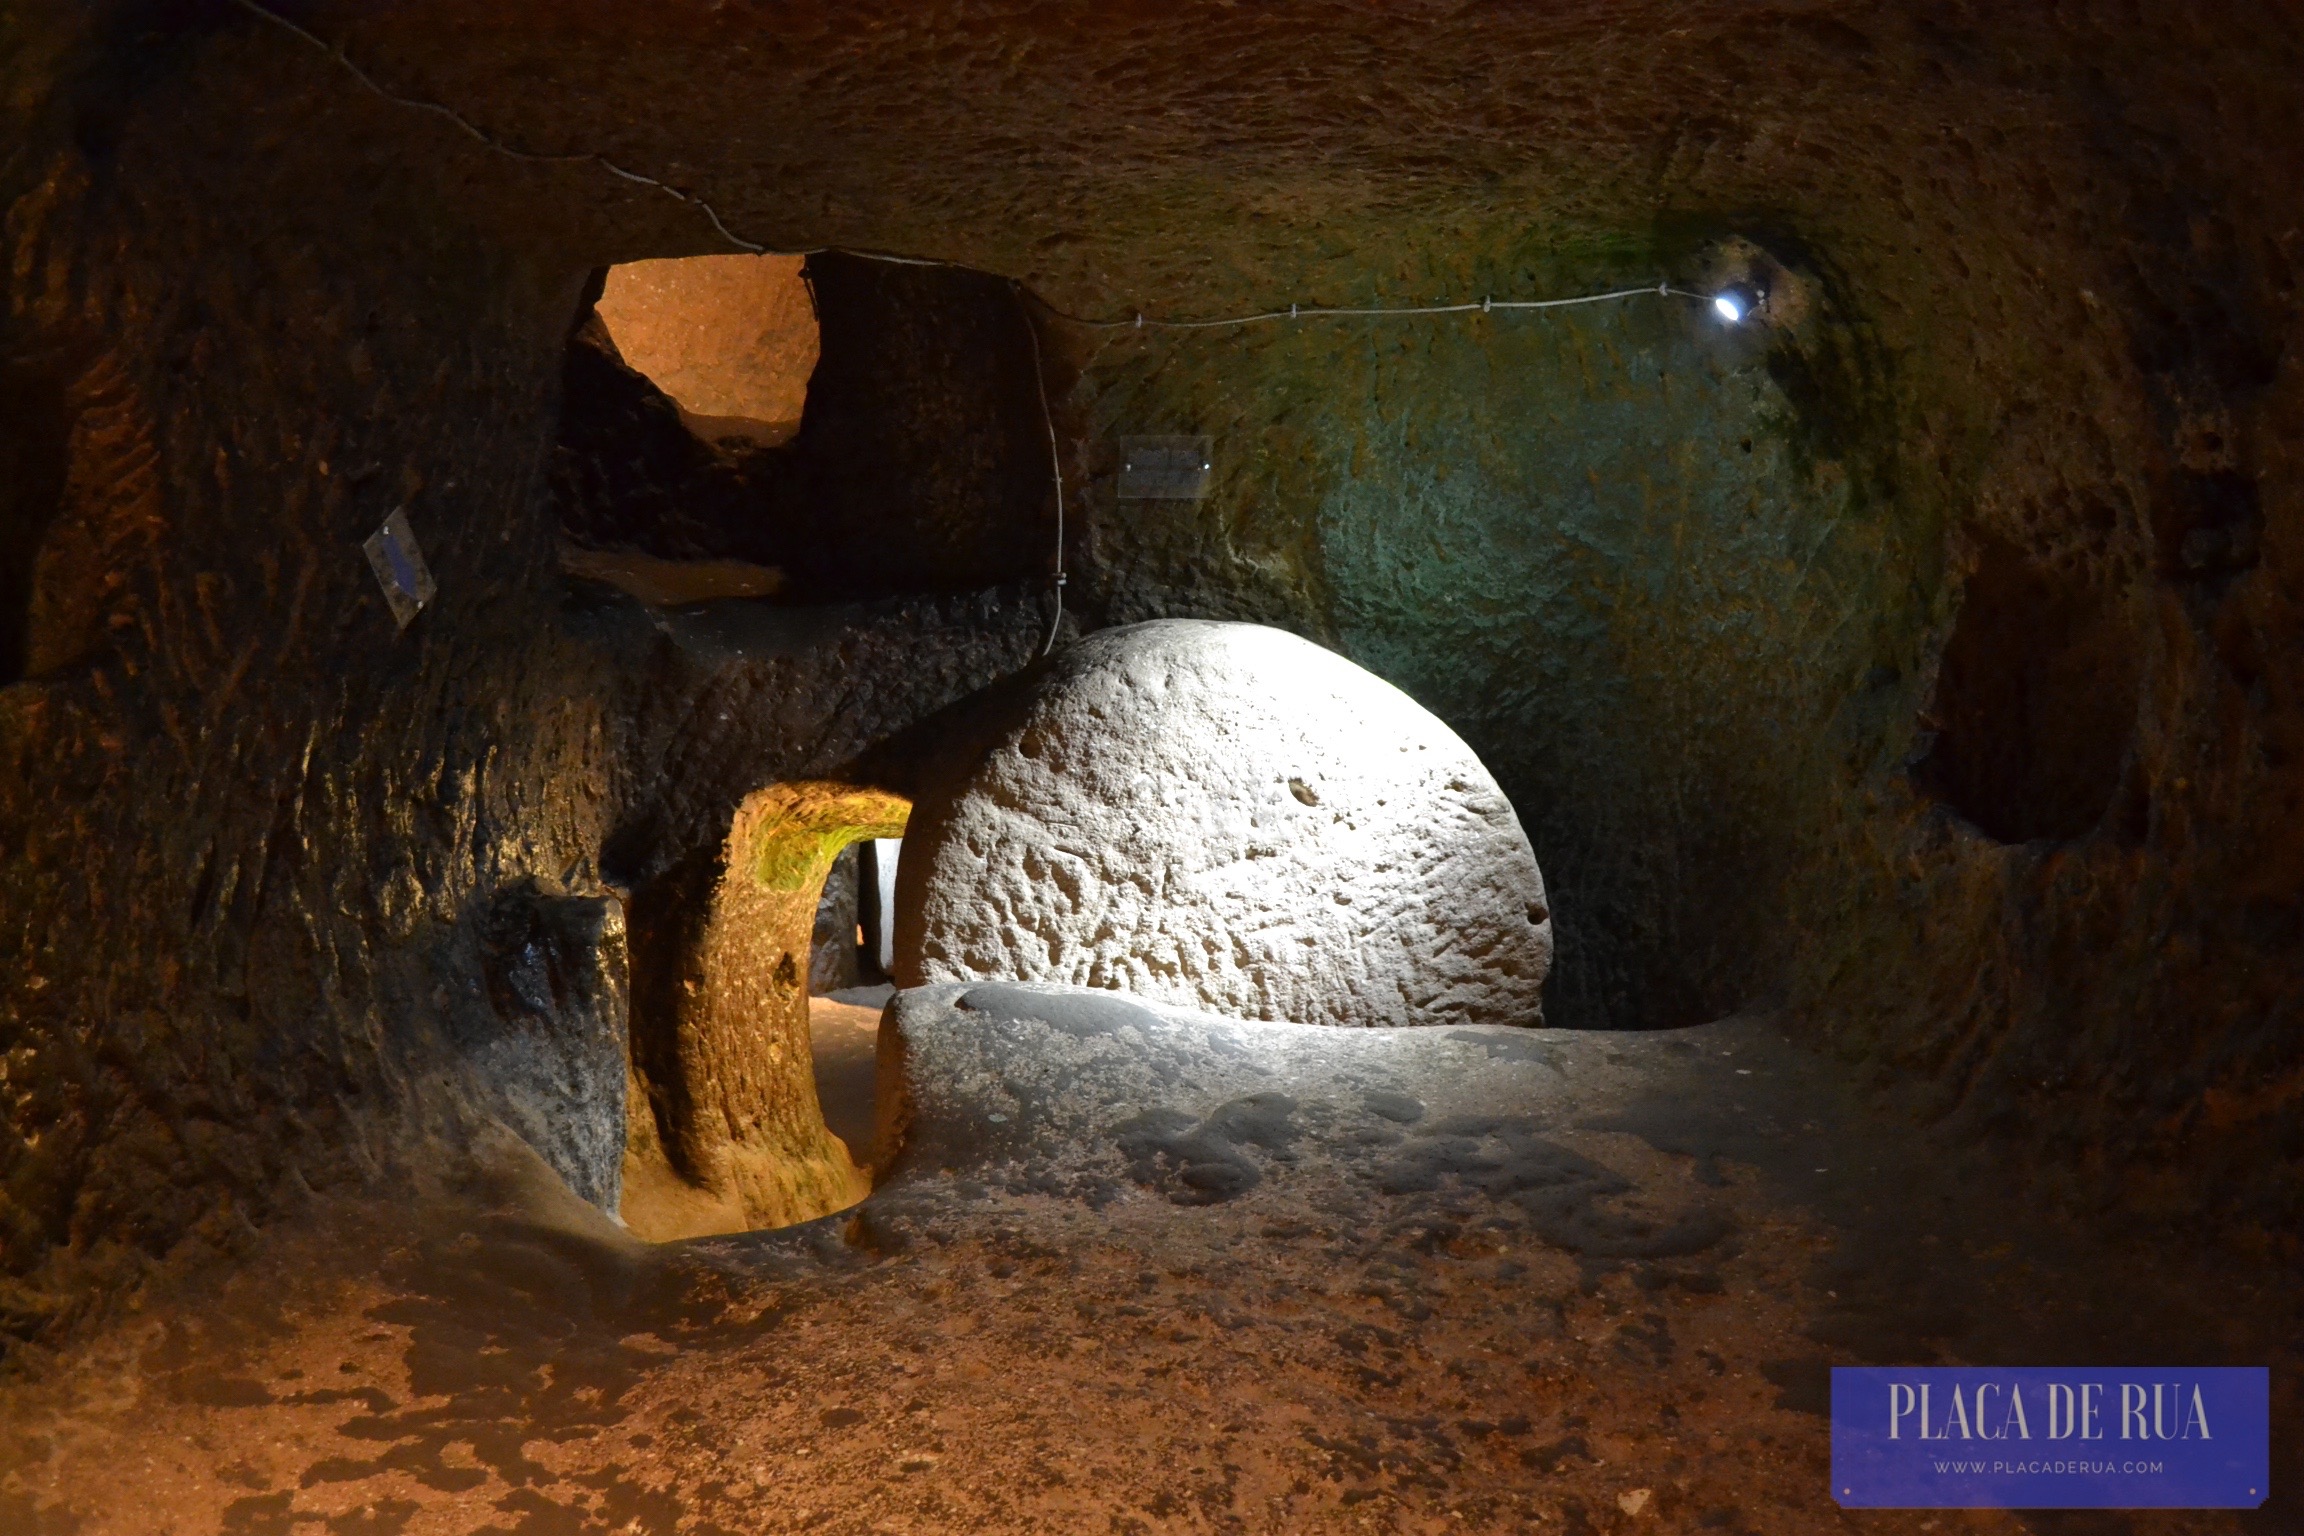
(1226,816)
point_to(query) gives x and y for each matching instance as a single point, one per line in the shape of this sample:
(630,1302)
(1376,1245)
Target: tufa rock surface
(1229,817)
(731,1135)
(1928,656)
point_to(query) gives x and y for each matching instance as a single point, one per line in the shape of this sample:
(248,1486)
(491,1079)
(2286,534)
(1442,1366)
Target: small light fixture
(1734,302)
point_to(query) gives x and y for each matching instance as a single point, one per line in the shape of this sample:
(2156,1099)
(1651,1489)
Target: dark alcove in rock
(919,464)
(38,574)
(2035,702)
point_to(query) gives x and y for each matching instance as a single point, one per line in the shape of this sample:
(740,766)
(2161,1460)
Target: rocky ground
(1139,1270)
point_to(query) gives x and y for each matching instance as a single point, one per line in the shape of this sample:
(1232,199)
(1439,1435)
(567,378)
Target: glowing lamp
(1734,303)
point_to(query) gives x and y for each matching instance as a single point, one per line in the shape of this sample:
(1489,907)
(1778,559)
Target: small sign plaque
(1165,468)
(399,566)
(2029,1437)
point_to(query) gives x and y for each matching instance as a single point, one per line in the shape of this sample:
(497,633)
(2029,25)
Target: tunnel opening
(2035,701)
(850,970)
(725,1128)
(855,936)
(809,431)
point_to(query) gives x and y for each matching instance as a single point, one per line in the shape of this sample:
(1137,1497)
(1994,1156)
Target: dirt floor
(983,1360)
(841,1033)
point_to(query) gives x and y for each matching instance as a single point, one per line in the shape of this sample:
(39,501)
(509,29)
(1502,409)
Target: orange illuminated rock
(724,1130)
(731,338)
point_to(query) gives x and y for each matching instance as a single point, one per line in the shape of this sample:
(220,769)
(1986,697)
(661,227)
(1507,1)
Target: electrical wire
(1138,321)
(489,141)
(1339,311)
(1055,460)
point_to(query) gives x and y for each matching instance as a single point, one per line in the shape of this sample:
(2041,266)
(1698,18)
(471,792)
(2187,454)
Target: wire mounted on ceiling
(1137,321)
(1732,305)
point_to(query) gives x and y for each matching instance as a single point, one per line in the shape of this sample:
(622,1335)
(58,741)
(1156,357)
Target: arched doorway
(725,1129)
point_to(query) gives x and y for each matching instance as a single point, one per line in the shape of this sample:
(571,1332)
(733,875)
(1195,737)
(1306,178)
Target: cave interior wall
(268,864)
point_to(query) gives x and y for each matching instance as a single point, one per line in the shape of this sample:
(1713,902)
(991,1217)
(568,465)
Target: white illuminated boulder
(1227,817)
